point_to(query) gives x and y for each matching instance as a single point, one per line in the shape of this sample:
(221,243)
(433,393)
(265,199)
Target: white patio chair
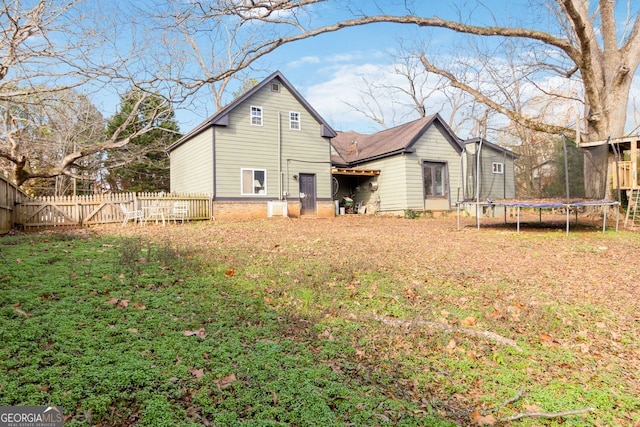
(154,211)
(135,215)
(180,211)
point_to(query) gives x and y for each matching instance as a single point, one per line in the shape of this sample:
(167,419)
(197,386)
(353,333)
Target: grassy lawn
(352,321)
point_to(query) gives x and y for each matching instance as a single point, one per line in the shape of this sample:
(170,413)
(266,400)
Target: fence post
(78,206)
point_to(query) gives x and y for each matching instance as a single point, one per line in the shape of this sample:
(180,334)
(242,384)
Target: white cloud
(305,60)
(343,86)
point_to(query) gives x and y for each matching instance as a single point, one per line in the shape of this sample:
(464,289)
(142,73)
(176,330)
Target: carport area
(355,190)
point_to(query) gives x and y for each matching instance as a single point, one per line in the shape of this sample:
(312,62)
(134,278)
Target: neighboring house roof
(221,117)
(496,147)
(354,147)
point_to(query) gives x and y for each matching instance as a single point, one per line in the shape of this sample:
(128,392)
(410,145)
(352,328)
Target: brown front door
(307,194)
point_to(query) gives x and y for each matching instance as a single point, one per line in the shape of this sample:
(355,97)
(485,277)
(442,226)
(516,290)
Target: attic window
(256,116)
(275,87)
(294,120)
(497,167)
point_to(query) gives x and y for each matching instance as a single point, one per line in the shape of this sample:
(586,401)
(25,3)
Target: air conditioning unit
(277,208)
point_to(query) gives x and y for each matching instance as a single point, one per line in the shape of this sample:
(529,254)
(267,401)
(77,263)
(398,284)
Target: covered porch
(354,188)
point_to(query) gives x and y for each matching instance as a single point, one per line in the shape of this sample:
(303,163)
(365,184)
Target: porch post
(634,163)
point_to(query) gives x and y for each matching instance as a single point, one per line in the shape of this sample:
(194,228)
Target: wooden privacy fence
(100,208)
(10,194)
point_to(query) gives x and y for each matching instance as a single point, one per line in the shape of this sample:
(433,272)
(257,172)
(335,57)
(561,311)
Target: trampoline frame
(549,204)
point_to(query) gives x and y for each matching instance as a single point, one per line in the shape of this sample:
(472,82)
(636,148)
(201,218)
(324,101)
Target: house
(490,175)
(266,153)
(412,167)
(494,167)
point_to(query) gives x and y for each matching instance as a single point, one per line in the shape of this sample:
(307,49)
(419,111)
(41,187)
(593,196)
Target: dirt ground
(535,270)
(586,266)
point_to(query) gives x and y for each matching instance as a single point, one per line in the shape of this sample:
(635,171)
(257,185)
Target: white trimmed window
(254,181)
(497,167)
(256,116)
(294,120)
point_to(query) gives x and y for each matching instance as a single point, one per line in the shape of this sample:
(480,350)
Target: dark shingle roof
(355,147)
(496,147)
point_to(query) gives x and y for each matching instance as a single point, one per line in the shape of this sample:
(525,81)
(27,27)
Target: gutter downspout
(461,175)
(213,155)
(279,156)
(478,183)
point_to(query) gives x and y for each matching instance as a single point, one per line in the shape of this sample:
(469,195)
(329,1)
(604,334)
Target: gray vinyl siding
(391,193)
(242,145)
(191,168)
(400,183)
(432,146)
(493,185)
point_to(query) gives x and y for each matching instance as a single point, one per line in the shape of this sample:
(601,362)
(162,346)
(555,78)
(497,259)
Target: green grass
(97,325)
(123,331)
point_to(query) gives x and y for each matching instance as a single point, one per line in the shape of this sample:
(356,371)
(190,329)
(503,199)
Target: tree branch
(516,117)
(546,414)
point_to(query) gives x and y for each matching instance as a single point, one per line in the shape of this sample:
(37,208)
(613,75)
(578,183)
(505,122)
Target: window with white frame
(254,181)
(497,167)
(294,120)
(256,116)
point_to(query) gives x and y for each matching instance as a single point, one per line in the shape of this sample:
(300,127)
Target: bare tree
(48,47)
(46,129)
(582,40)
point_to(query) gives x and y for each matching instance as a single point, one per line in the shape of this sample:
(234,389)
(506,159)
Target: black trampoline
(540,204)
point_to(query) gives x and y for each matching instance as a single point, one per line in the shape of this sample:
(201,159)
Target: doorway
(307,194)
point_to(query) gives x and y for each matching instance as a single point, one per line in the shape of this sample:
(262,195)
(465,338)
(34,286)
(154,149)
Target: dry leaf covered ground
(570,304)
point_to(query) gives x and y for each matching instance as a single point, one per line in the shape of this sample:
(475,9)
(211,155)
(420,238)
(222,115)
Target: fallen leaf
(133,330)
(123,303)
(496,315)
(200,333)
(482,420)
(197,373)
(532,408)
(139,306)
(545,338)
(225,381)
(469,321)
(326,334)
(452,345)
(230,272)
(20,312)
(19,261)
(113,301)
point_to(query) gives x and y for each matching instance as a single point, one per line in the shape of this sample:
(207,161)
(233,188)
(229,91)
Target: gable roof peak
(221,117)
(387,142)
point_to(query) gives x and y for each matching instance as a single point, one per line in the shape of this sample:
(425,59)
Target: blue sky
(328,69)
